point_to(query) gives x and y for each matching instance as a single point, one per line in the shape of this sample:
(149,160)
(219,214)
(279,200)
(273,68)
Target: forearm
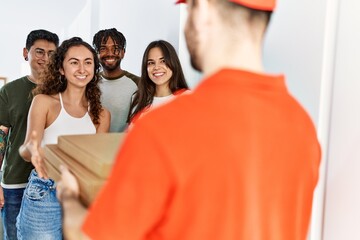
(25,153)
(74,214)
(31,147)
(31,152)
(3,142)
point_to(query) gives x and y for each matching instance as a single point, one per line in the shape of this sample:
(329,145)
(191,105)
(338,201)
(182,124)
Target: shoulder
(133,77)
(105,112)
(13,85)
(104,121)
(45,99)
(20,80)
(181,91)
(48,105)
(105,115)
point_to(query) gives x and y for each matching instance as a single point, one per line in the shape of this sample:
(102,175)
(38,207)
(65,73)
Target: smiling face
(78,66)
(110,55)
(38,55)
(157,69)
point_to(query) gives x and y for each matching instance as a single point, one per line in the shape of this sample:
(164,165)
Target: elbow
(24,153)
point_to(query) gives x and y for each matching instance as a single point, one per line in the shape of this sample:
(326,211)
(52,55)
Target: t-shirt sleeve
(134,199)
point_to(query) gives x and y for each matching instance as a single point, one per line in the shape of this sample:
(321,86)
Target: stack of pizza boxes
(89,158)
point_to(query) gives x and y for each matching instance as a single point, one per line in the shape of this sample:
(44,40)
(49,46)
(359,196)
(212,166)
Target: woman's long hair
(143,97)
(52,82)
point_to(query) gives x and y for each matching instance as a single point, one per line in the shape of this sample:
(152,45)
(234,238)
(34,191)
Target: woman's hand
(36,155)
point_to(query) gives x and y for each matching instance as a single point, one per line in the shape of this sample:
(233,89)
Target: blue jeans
(40,212)
(10,211)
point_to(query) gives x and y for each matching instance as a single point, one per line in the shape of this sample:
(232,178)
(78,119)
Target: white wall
(342,202)
(140,21)
(320,43)
(293,46)
(19,17)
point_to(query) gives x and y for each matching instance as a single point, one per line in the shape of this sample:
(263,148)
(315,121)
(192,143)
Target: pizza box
(89,183)
(89,157)
(96,152)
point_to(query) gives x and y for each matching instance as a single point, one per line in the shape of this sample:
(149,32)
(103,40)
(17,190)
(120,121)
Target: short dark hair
(103,35)
(41,34)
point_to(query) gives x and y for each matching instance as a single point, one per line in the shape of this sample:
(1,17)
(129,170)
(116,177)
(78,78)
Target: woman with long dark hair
(161,79)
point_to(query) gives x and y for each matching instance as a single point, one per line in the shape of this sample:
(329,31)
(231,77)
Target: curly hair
(52,82)
(144,96)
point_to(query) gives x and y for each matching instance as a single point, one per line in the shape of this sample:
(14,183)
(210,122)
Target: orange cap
(264,5)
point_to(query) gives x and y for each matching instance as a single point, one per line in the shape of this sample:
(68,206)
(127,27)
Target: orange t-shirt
(236,159)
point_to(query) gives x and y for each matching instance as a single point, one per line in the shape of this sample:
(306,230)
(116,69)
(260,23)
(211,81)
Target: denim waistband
(34,178)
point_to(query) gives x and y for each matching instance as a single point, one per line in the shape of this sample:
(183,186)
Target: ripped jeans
(40,212)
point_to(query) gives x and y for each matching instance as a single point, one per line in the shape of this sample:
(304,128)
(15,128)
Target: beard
(110,66)
(192,44)
(194,63)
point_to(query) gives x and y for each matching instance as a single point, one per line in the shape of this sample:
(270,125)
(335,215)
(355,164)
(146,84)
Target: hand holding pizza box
(89,158)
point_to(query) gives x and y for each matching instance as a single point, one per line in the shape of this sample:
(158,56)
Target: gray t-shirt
(116,97)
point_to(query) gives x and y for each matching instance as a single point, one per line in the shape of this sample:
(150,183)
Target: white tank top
(65,124)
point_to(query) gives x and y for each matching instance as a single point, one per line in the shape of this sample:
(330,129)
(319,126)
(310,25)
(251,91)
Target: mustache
(111,57)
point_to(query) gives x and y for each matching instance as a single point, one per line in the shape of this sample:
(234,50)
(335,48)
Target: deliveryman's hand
(68,186)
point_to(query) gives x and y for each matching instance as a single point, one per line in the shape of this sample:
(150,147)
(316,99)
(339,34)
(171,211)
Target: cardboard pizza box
(96,152)
(89,183)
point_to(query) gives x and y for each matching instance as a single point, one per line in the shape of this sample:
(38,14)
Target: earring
(26,58)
